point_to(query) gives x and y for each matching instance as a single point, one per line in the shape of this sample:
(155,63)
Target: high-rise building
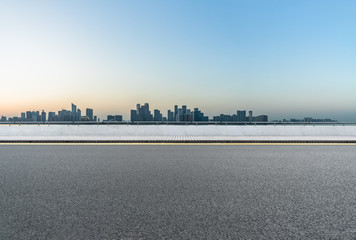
(250,116)
(78,115)
(157,115)
(175,118)
(199,116)
(184,108)
(241,116)
(74,108)
(147,116)
(186,115)
(23,116)
(65,115)
(90,114)
(51,116)
(34,116)
(133,116)
(28,116)
(43,116)
(170,116)
(142,113)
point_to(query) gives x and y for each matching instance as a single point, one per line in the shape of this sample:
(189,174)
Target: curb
(177,141)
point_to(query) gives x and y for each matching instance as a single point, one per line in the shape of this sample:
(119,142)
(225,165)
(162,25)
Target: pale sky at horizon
(286,59)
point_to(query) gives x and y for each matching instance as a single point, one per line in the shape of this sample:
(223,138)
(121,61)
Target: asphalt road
(177,192)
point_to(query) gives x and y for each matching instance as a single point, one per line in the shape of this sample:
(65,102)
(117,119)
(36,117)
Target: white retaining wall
(19,131)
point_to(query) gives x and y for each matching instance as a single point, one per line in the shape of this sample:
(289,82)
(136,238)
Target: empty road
(177,192)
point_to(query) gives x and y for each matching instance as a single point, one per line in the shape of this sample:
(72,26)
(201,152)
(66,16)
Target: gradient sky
(291,58)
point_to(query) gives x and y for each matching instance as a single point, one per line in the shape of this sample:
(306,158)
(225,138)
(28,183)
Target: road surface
(177,192)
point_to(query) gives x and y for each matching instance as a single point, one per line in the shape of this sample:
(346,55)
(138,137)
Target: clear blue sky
(287,58)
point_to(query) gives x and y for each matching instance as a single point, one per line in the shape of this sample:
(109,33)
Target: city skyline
(287,58)
(144,113)
(209,110)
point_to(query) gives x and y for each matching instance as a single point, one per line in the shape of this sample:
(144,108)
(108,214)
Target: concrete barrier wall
(171,130)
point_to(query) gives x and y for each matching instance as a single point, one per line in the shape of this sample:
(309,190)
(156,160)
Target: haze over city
(285,58)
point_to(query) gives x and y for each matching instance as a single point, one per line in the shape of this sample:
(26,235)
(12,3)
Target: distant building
(199,116)
(65,116)
(84,119)
(175,116)
(250,116)
(116,118)
(28,116)
(261,118)
(90,114)
(43,116)
(142,113)
(157,115)
(241,116)
(35,116)
(78,115)
(184,114)
(170,116)
(133,116)
(51,116)
(74,108)
(310,120)
(225,118)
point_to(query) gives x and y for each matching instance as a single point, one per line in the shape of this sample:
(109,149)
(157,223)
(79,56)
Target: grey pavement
(177,192)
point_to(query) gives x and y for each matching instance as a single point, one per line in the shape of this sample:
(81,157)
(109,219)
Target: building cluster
(115,118)
(74,115)
(240,116)
(308,120)
(142,113)
(183,114)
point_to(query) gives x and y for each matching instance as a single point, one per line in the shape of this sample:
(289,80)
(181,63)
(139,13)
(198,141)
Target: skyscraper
(74,108)
(78,115)
(175,118)
(250,116)
(157,115)
(28,116)
(184,108)
(65,115)
(170,116)
(142,113)
(241,116)
(51,116)
(43,116)
(133,116)
(198,116)
(89,114)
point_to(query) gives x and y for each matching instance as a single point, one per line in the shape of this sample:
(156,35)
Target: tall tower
(74,108)
(90,114)
(175,118)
